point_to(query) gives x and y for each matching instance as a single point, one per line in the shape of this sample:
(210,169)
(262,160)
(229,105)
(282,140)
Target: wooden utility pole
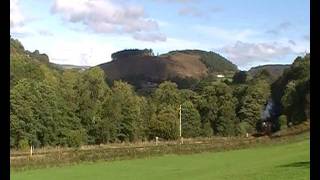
(31,150)
(180,129)
(180,121)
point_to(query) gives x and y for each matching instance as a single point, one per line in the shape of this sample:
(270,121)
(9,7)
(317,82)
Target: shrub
(243,128)
(23,144)
(283,121)
(75,138)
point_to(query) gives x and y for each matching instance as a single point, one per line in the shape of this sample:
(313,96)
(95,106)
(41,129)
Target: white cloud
(16,17)
(26,31)
(297,45)
(285,25)
(163,47)
(306,37)
(215,9)
(22,31)
(282,27)
(178,44)
(300,47)
(292,42)
(190,11)
(153,37)
(197,12)
(107,16)
(19,21)
(243,54)
(272,31)
(93,49)
(44,32)
(177,1)
(163,23)
(226,35)
(82,52)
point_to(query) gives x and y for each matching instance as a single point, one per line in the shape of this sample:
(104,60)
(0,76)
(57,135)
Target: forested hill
(213,61)
(28,65)
(275,70)
(142,68)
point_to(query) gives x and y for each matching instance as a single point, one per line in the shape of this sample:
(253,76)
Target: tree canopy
(51,107)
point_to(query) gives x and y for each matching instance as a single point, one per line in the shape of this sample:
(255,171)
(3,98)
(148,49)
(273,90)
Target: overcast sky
(87,32)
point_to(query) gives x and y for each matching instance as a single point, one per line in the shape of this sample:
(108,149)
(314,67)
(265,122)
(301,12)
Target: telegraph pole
(31,150)
(180,121)
(181,138)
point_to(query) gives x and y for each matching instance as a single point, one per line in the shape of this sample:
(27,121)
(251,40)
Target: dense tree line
(291,92)
(131,52)
(49,107)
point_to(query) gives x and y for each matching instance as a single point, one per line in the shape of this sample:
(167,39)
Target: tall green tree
(239,77)
(295,101)
(23,124)
(190,120)
(165,124)
(131,110)
(218,107)
(253,103)
(167,94)
(291,92)
(122,115)
(164,120)
(72,132)
(92,91)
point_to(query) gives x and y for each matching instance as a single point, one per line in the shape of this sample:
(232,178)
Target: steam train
(264,130)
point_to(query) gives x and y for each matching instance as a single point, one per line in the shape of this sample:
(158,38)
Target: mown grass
(289,160)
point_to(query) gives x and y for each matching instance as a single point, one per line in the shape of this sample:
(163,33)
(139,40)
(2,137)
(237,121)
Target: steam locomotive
(264,130)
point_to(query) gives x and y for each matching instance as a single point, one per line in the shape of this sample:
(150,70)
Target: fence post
(31,150)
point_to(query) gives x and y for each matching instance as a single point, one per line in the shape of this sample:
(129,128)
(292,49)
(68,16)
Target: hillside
(140,68)
(213,61)
(275,70)
(69,66)
(145,69)
(33,66)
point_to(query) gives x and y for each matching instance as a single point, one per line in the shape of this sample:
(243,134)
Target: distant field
(280,161)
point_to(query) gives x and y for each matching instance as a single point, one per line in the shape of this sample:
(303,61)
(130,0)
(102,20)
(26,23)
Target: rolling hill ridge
(142,67)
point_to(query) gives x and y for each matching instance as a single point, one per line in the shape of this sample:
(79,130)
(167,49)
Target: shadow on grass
(302,164)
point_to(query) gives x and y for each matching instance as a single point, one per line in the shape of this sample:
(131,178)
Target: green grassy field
(281,161)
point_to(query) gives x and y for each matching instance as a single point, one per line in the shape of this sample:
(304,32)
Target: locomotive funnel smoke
(268,110)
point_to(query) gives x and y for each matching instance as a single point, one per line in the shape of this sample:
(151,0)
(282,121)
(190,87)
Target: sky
(87,32)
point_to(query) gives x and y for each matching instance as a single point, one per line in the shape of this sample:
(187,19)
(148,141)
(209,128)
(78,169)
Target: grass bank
(284,160)
(20,160)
